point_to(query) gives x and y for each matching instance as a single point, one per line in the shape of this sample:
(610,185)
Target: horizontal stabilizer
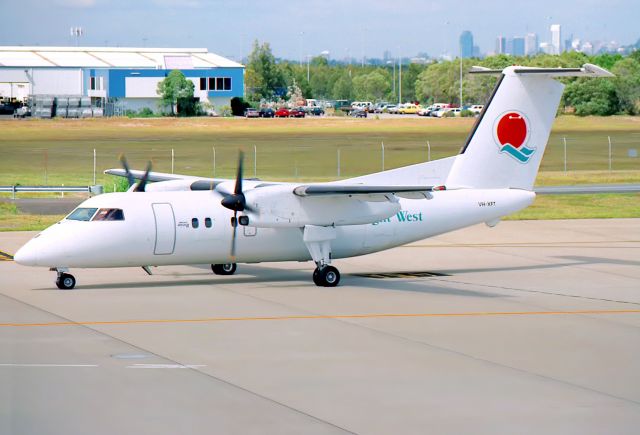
(587,70)
(153,176)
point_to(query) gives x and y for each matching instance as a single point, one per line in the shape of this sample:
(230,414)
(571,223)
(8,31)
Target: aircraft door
(165,229)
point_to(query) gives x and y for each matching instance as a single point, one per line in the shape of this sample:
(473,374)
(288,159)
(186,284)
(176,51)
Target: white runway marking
(47,365)
(165,366)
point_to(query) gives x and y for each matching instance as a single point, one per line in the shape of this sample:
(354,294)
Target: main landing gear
(326,276)
(65,281)
(224,269)
(318,241)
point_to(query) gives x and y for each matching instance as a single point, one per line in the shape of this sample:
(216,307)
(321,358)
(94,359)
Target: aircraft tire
(328,276)
(224,269)
(66,281)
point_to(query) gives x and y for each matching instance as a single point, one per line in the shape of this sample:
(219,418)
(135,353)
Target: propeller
(145,178)
(130,178)
(236,202)
(127,171)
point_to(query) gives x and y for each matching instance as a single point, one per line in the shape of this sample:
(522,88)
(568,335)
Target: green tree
(437,83)
(627,83)
(592,97)
(263,77)
(371,87)
(342,88)
(175,88)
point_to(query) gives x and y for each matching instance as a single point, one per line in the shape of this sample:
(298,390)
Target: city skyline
(346,30)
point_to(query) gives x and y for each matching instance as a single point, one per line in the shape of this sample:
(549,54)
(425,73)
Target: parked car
(409,109)
(316,111)
(380,107)
(7,108)
(391,108)
(266,112)
(476,108)
(22,112)
(358,113)
(344,105)
(251,113)
(396,109)
(435,111)
(297,112)
(282,113)
(425,111)
(362,105)
(451,111)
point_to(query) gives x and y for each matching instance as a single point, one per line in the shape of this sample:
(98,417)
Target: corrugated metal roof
(105,57)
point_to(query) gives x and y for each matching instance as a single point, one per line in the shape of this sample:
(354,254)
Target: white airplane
(179,220)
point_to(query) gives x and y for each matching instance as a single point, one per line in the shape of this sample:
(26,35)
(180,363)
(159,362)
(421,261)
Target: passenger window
(109,214)
(82,214)
(195,223)
(207,222)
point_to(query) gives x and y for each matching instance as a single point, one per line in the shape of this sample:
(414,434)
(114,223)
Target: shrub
(225,111)
(448,114)
(467,113)
(238,106)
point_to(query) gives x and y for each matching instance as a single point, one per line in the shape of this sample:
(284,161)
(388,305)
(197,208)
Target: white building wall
(57,81)
(50,81)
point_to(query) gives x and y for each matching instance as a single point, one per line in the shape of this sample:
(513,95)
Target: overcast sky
(296,28)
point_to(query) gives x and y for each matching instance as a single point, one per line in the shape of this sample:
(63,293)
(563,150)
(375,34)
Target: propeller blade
(125,165)
(143,182)
(238,189)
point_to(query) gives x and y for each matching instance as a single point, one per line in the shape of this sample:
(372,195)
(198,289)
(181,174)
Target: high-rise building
(509,47)
(546,48)
(556,38)
(466,44)
(476,51)
(531,44)
(501,45)
(518,46)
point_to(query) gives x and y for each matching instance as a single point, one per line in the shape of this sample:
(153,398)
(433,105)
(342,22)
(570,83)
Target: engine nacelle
(278,206)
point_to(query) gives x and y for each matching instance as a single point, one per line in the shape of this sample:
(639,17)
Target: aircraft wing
(363,191)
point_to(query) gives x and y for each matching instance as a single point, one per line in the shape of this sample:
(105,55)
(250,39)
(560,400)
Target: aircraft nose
(27,255)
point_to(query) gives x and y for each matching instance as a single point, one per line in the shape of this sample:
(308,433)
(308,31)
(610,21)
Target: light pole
(400,79)
(308,60)
(461,77)
(390,62)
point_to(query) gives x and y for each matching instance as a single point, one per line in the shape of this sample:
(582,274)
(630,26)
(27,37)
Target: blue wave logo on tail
(522,155)
(511,134)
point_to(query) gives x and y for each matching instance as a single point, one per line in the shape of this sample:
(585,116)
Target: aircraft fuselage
(183,227)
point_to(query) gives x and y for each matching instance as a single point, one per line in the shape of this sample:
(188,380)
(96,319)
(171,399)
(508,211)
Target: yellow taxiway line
(320,317)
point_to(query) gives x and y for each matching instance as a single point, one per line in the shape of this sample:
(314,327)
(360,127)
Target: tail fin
(507,142)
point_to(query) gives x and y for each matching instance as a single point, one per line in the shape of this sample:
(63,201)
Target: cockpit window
(82,214)
(109,214)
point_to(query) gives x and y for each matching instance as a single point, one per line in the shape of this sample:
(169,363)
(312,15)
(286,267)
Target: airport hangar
(128,76)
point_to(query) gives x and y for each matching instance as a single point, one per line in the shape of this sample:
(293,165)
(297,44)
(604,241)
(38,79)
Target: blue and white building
(128,76)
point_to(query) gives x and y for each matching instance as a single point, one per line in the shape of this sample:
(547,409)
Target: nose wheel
(65,281)
(326,276)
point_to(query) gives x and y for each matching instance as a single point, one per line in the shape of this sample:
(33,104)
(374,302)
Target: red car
(283,113)
(297,113)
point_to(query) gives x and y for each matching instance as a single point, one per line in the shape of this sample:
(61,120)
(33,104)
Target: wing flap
(364,191)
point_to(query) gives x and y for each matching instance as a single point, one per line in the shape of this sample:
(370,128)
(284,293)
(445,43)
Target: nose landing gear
(65,281)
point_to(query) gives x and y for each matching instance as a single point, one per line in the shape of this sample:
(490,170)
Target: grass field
(60,151)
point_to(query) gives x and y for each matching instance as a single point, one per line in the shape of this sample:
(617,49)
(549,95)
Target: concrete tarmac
(529,327)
